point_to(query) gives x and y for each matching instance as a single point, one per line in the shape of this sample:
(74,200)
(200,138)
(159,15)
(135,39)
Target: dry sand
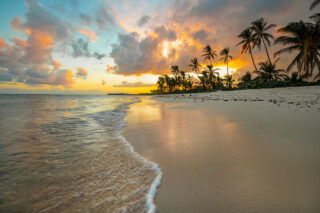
(222,155)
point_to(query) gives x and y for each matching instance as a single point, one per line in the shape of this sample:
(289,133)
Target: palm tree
(195,66)
(211,79)
(161,83)
(170,82)
(175,70)
(303,38)
(315,17)
(229,81)
(314,4)
(225,53)
(246,42)
(260,35)
(268,72)
(209,54)
(204,79)
(245,80)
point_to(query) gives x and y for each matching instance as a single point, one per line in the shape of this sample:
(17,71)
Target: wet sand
(230,156)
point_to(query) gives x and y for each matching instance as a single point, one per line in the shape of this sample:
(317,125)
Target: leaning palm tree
(195,66)
(268,72)
(314,4)
(209,54)
(260,35)
(247,40)
(225,53)
(303,38)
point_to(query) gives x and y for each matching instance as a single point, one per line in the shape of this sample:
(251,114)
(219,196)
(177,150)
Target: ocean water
(62,153)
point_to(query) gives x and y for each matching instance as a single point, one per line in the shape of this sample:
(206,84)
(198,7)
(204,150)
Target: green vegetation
(301,38)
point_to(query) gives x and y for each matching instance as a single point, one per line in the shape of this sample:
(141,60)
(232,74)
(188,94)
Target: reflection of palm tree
(209,54)
(259,28)
(303,38)
(246,42)
(225,53)
(314,4)
(268,72)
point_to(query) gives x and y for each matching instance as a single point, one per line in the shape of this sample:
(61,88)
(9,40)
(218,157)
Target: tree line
(301,38)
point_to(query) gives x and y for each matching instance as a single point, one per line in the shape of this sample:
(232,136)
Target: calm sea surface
(62,153)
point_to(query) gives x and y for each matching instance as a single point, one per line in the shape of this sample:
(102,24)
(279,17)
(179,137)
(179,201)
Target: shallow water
(65,154)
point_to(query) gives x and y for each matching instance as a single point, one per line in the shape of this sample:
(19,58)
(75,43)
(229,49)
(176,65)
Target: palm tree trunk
(254,64)
(266,51)
(227,66)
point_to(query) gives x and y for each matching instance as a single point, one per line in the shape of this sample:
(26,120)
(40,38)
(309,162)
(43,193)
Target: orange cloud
(110,68)
(63,77)
(82,73)
(3,44)
(90,34)
(56,64)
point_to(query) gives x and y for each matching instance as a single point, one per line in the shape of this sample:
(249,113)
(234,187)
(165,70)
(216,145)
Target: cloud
(134,56)
(82,73)
(86,19)
(80,48)
(90,34)
(143,20)
(104,17)
(98,55)
(134,84)
(28,60)
(56,64)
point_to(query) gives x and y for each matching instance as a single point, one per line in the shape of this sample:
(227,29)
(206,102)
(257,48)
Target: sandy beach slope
(238,151)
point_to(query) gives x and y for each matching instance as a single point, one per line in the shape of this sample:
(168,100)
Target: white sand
(301,97)
(232,156)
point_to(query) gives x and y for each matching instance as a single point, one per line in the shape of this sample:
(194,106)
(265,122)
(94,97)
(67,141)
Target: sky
(104,46)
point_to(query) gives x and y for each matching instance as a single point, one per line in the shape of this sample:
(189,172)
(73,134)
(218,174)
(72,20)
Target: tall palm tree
(195,66)
(247,40)
(260,35)
(303,38)
(175,70)
(209,54)
(268,72)
(314,4)
(225,53)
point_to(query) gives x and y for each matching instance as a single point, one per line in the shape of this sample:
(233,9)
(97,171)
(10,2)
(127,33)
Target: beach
(232,151)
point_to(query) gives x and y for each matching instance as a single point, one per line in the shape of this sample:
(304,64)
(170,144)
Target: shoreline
(150,196)
(218,155)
